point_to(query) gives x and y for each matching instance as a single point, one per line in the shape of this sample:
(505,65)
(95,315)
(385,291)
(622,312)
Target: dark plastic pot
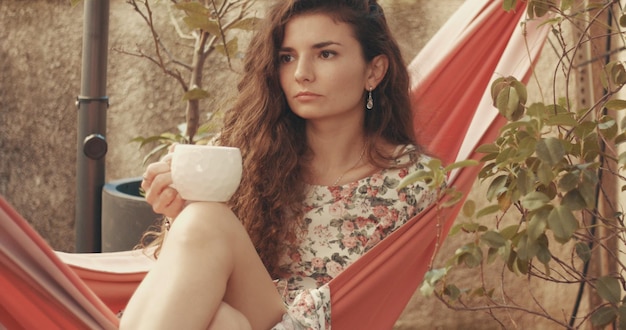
(125,215)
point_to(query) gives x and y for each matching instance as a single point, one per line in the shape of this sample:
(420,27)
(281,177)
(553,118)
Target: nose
(304,71)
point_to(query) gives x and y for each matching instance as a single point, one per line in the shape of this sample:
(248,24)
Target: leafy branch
(206,28)
(551,211)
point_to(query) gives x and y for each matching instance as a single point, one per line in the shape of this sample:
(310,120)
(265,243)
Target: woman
(324,126)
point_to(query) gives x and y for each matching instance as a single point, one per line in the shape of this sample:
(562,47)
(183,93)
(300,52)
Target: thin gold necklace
(351,168)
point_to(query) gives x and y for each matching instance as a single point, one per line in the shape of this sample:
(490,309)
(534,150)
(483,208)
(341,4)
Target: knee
(202,221)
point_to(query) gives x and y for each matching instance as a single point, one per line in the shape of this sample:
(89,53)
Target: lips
(306,96)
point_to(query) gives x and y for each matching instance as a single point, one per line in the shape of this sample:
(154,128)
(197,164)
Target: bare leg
(229,318)
(207,259)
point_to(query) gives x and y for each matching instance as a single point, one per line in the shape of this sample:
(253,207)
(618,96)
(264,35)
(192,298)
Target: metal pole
(92,104)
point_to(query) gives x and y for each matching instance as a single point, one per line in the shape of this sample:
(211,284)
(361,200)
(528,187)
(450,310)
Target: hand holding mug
(157,181)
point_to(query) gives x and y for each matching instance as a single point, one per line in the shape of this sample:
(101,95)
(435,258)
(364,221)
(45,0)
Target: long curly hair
(272,138)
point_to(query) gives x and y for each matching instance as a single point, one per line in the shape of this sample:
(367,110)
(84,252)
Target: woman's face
(322,70)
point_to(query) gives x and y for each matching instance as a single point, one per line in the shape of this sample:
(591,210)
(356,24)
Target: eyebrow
(315,46)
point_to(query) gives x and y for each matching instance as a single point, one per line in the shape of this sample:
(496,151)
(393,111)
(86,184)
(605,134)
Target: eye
(285,58)
(327,54)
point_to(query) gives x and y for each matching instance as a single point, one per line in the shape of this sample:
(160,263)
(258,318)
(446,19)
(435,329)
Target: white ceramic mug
(206,173)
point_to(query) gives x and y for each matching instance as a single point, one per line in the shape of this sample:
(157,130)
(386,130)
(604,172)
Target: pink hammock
(43,289)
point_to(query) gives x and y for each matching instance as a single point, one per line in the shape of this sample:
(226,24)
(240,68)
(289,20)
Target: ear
(376,71)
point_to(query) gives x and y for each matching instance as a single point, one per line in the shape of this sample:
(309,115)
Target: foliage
(551,211)
(206,28)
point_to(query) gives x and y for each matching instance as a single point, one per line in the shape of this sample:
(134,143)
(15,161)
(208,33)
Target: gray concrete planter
(125,215)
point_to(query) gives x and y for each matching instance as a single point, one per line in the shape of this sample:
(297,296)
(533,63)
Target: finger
(152,171)
(172,147)
(167,158)
(175,207)
(159,185)
(168,203)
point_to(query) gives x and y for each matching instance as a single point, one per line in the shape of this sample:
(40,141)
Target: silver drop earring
(370,100)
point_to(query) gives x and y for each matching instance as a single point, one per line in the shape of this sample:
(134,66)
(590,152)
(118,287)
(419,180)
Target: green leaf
(574,200)
(568,181)
(195,94)
(203,23)
(526,248)
(157,152)
(455,229)
(566,4)
(509,232)
(509,5)
(587,188)
(247,24)
(497,86)
(193,8)
(562,223)
(453,197)
(469,208)
(460,164)
(470,255)
(431,278)
(232,47)
(617,73)
(608,127)
(535,200)
(584,129)
(603,316)
(508,102)
(488,210)
(550,150)
(622,316)
(622,21)
(526,148)
(620,138)
(562,119)
(538,8)
(536,227)
(609,289)
(505,156)
(622,158)
(493,239)
(521,266)
(525,181)
(452,291)
(544,254)
(472,227)
(488,148)
(583,251)
(492,254)
(615,105)
(416,176)
(497,186)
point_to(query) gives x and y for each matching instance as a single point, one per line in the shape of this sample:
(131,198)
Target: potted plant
(205,29)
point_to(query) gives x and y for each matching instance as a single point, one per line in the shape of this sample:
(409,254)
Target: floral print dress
(341,223)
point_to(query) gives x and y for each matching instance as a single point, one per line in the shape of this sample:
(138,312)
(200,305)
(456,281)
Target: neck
(335,154)
(335,147)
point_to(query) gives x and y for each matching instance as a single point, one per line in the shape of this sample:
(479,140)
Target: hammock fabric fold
(453,115)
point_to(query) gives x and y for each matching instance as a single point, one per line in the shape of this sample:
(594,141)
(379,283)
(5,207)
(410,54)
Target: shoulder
(411,157)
